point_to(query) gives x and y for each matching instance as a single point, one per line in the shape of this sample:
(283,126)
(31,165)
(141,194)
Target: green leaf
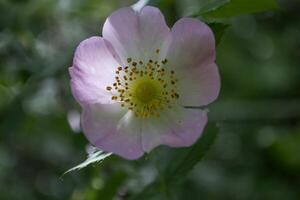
(209,5)
(174,165)
(217,27)
(219,30)
(181,165)
(239,7)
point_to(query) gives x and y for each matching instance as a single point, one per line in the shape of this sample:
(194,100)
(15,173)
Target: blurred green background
(256,154)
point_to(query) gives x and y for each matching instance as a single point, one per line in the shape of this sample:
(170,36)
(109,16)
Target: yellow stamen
(144,89)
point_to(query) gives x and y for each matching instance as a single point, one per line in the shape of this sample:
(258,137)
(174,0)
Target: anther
(164,61)
(152,70)
(114,98)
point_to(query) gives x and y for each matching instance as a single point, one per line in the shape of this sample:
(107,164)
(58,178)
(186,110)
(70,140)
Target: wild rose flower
(134,81)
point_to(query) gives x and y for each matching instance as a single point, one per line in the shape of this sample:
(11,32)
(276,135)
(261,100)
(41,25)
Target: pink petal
(93,70)
(191,53)
(136,35)
(192,44)
(177,128)
(113,130)
(199,86)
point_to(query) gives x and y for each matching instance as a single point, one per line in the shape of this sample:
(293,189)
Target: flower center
(145,88)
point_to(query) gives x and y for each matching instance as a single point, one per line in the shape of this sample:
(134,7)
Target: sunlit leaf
(95,156)
(139,5)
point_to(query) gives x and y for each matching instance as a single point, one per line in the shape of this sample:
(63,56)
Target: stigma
(145,88)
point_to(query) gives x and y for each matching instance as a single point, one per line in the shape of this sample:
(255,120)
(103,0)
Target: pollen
(146,88)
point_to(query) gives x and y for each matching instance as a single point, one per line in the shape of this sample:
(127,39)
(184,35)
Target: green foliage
(151,191)
(185,159)
(254,156)
(285,151)
(238,7)
(177,166)
(219,29)
(209,6)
